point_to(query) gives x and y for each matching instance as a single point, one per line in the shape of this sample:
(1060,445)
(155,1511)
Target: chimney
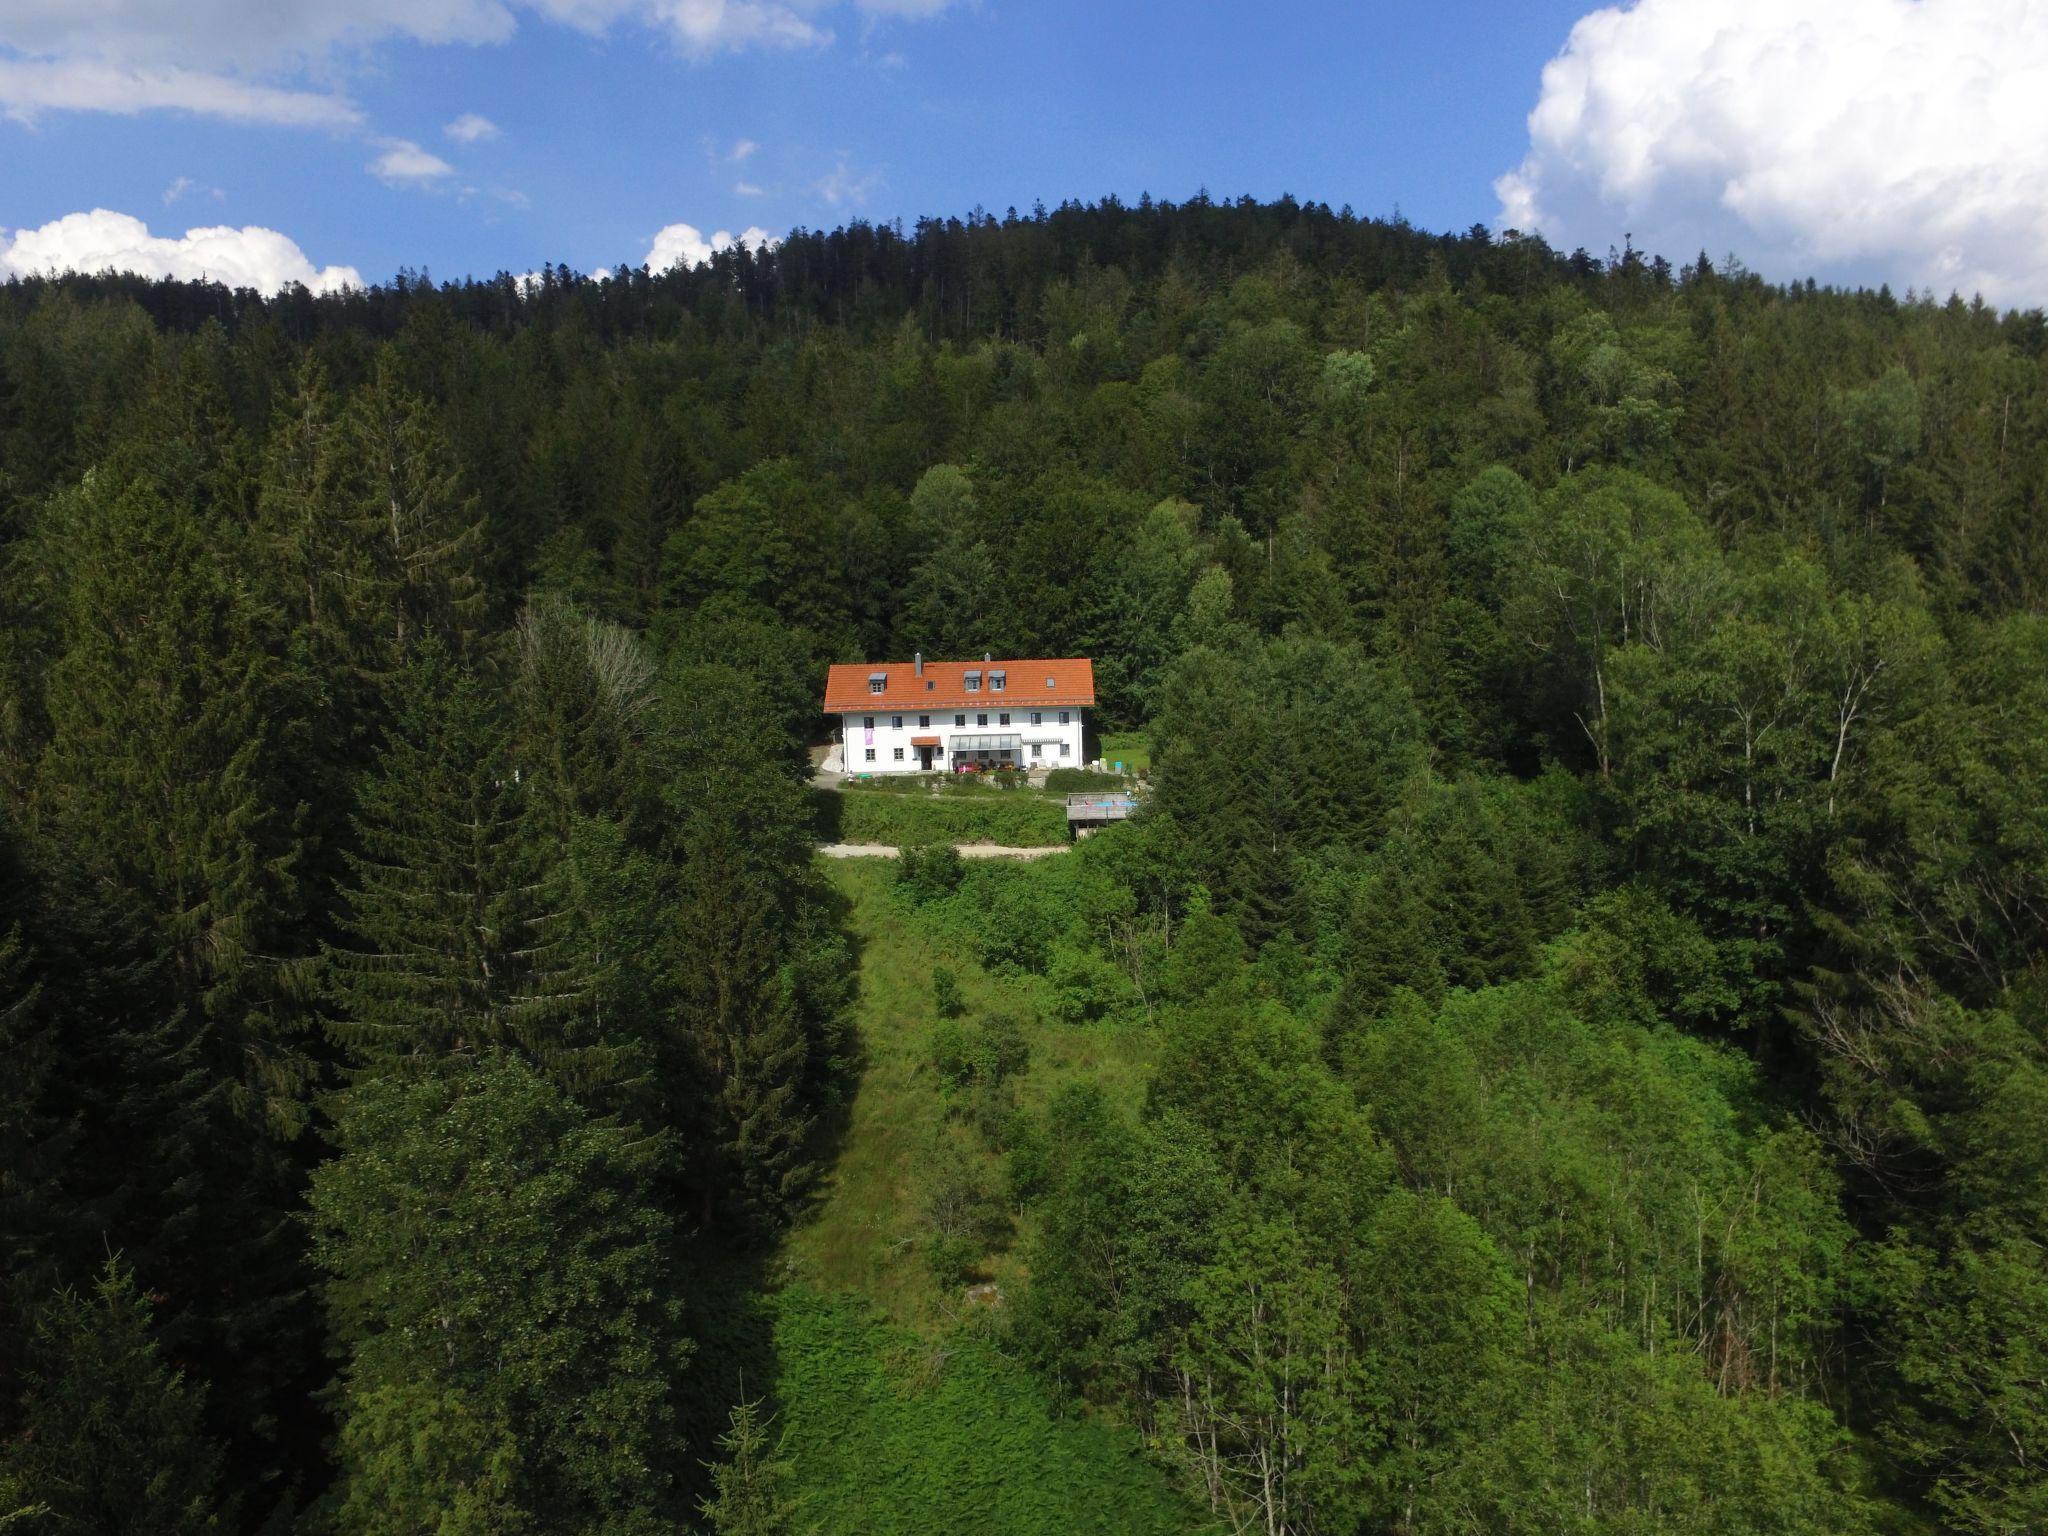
(917,661)
(986,658)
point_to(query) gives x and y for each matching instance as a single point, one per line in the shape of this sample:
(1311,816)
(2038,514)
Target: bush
(945,992)
(929,873)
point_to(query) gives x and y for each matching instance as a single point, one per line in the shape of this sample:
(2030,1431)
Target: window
(1063,750)
(959,719)
(1038,717)
(1038,749)
(871,754)
(878,682)
(895,722)
(981,719)
(867,722)
(1003,718)
(996,681)
(974,682)
(924,722)
(899,754)
(1063,717)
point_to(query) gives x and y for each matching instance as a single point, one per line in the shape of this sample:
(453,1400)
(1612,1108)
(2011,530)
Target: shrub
(929,873)
(945,992)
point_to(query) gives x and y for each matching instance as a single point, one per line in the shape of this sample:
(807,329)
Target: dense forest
(1563,1048)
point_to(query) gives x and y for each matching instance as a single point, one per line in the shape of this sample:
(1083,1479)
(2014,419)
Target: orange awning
(924,741)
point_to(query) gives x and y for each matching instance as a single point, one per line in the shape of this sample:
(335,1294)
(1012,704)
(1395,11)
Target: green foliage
(890,1434)
(498,1294)
(109,1435)
(749,1481)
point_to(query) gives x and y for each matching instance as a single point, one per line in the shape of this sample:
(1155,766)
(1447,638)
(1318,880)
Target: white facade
(1034,736)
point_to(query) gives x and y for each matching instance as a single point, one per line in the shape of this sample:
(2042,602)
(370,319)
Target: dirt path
(967,851)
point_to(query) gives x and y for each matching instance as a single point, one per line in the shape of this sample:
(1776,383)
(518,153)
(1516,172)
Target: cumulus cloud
(403,163)
(1857,140)
(103,241)
(681,245)
(471,128)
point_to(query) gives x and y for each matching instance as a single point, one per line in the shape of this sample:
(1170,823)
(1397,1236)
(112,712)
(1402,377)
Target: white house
(948,716)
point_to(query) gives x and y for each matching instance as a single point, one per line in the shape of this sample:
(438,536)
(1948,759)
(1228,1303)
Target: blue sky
(610,120)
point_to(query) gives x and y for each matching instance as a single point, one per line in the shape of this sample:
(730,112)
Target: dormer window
(878,682)
(996,681)
(974,682)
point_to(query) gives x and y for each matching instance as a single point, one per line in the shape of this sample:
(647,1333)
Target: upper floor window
(867,722)
(878,682)
(1003,718)
(1038,717)
(895,722)
(974,682)
(1063,717)
(981,719)
(959,719)
(996,681)
(924,722)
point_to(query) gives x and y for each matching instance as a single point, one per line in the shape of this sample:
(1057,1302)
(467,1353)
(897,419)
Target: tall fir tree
(111,1436)
(449,949)
(500,1296)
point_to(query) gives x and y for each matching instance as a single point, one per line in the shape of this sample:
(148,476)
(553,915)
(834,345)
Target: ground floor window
(1038,749)
(1063,750)
(871,754)
(899,754)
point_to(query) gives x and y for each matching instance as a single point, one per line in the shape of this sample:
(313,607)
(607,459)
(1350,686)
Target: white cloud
(31,87)
(1859,140)
(103,241)
(471,128)
(240,59)
(185,186)
(748,189)
(683,245)
(841,185)
(403,163)
(742,150)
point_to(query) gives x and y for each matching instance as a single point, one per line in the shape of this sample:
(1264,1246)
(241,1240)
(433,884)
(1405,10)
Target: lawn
(1131,748)
(1013,818)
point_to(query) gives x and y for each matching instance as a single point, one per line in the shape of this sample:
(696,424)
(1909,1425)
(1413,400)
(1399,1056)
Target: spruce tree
(167,787)
(500,1297)
(742,1044)
(750,1483)
(449,949)
(111,1438)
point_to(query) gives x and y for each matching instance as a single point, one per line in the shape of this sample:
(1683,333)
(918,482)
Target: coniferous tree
(500,1295)
(749,1497)
(740,1042)
(110,1437)
(449,949)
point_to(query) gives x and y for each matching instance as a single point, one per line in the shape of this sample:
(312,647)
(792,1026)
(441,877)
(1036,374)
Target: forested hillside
(1563,1048)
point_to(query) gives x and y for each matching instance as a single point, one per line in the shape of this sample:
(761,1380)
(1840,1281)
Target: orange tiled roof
(1068,683)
